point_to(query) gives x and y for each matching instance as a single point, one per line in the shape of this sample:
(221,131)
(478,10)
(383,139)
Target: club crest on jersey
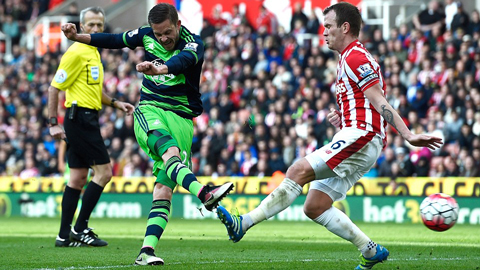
(161,79)
(191,46)
(365,70)
(158,62)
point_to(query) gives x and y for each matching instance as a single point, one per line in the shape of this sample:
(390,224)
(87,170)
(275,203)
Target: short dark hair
(161,12)
(96,10)
(346,12)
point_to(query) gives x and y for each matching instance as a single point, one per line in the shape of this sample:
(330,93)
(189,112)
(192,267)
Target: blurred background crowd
(265,96)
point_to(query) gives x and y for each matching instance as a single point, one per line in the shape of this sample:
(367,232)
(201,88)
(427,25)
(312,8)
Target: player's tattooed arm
(389,117)
(375,95)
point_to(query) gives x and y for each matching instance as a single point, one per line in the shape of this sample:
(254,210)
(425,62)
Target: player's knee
(103,174)
(294,171)
(162,192)
(107,175)
(77,183)
(171,152)
(313,211)
(78,178)
(300,172)
(310,211)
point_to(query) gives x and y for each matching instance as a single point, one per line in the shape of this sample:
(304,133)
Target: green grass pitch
(28,243)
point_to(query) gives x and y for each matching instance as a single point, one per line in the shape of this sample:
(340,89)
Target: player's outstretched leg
(214,194)
(147,257)
(233,223)
(368,263)
(210,196)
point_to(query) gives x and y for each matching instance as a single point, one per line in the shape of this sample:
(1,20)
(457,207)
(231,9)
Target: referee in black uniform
(80,75)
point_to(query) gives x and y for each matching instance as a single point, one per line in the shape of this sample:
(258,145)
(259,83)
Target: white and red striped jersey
(357,71)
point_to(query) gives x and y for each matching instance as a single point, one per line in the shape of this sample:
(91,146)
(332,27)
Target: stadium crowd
(265,96)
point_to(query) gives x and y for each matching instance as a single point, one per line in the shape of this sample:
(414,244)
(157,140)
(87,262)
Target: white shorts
(350,155)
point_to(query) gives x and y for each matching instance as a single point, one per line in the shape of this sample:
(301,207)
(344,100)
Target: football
(439,212)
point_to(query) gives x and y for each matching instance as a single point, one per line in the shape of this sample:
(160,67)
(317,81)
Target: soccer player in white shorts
(350,155)
(333,169)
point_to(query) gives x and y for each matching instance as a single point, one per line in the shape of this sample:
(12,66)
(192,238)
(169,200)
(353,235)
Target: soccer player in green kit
(169,100)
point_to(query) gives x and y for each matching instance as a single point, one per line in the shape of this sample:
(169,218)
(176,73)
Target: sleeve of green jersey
(190,55)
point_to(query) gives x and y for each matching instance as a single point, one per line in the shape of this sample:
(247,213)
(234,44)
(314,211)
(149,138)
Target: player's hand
(57,132)
(149,68)
(70,31)
(334,117)
(124,106)
(422,140)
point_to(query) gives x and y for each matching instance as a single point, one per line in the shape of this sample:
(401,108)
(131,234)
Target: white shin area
(341,225)
(277,201)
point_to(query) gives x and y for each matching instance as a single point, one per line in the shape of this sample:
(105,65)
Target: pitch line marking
(286,240)
(256,261)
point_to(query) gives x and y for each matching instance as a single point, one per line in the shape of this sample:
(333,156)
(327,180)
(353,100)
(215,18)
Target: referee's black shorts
(85,143)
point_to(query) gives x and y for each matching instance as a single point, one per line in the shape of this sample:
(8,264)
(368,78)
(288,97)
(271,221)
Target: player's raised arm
(70,31)
(375,96)
(101,40)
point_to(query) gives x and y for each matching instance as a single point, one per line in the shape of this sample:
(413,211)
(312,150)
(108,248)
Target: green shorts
(148,118)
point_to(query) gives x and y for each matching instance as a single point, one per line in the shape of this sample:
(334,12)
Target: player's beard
(169,45)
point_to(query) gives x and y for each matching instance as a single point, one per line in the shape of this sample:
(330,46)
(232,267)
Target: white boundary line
(265,261)
(323,240)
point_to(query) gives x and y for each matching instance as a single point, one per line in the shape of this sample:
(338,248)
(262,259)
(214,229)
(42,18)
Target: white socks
(281,198)
(340,224)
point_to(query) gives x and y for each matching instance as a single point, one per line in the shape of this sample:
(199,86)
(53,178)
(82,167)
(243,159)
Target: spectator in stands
(466,136)
(469,169)
(11,29)
(313,24)
(452,129)
(406,167)
(298,17)
(30,169)
(474,25)
(208,30)
(422,169)
(429,18)
(450,11)
(451,167)
(385,167)
(215,19)
(73,13)
(276,162)
(460,20)
(267,22)
(476,125)
(376,41)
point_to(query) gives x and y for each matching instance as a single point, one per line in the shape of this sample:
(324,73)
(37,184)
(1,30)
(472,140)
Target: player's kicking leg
(282,197)
(323,193)
(233,223)
(214,194)
(380,256)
